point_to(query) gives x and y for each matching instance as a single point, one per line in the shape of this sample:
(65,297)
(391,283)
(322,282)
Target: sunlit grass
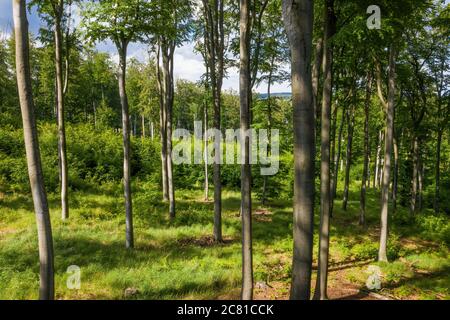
(177,259)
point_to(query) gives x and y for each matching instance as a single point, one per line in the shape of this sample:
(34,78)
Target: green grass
(177,259)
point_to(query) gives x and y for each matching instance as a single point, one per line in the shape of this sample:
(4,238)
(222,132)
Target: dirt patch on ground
(204,241)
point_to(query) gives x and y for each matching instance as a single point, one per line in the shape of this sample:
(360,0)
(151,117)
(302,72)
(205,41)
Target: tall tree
(45,240)
(325,191)
(298,21)
(389,135)
(214,41)
(122,22)
(364,179)
(54,12)
(246,199)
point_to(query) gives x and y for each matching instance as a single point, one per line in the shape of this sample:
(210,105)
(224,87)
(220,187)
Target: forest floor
(179,260)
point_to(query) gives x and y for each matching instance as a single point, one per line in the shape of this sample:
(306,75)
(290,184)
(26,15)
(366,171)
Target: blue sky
(187,64)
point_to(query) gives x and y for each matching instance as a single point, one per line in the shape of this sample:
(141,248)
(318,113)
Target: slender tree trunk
(205,153)
(415,174)
(169,90)
(298,21)
(420,184)
(162,125)
(337,159)
(44,230)
(395,179)
(246,199)
(325,190)
(269,124)
(348,160)
(362,202)
(382,253)
(438,172)
(126,143)
(214,40)
(60,111)
(377,170)
(319,57)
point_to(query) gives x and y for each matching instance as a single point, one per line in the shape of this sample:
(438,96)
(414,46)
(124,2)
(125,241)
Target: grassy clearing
(179,260)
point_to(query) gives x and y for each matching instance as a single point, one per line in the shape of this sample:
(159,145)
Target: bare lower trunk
(337,159)
(316,75)
(162,126)
(60,113)
(169,90)
(438,173)
(205,153)
(395,179)
(325,191)
(377,161)
(44,230)
(126,144)
(362,202)
(348,158)
(382,253)
(246,200)
(298,21)
(415,176)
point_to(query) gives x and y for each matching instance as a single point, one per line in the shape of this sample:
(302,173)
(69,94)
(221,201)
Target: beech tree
(246,196)
(325,191)
(298,21)
(121,22)
(44,229)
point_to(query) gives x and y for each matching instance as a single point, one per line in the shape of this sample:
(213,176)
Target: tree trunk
(377,161)
(325,192)
(415,175)
(337,159)
(214,41)
(44,230)
(298,21)
(382,253)
(168,50)
(126,143)
(395,179)
(205,153)
(162,126)
(438,173)
(316,74)
(246,199)
(348,160)
(362,202)
(269,124)
(60,111)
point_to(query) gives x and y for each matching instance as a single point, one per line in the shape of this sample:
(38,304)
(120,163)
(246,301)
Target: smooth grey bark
(205,152)
(122,45)
(162,125)
(395,178)
(318,62)
(437,203)
(44,230)
(320,292)
(246,199)
(364,180)
(415,176)
(269,123)
(298,21)
(168,49)
(382,252)
(348,157)
(337,158)
(215,46)
(58,8)
(377,170)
